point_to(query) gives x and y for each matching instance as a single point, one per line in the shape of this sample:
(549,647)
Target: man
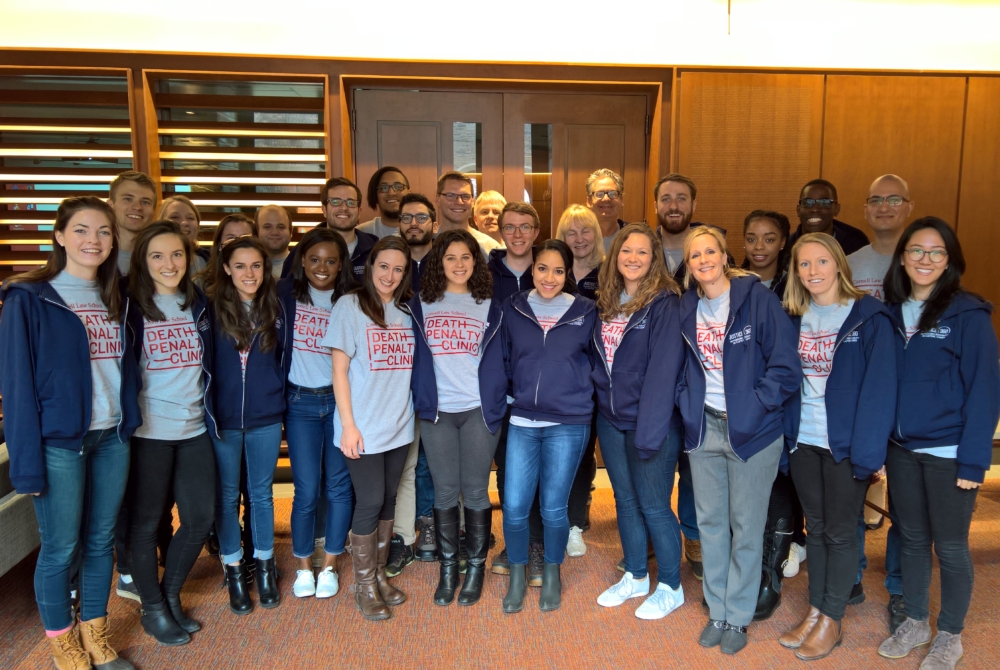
(454,205)
(605,193)
(817,208)
(386,188)
(133,197)
(418,226)
(511,266)
(274,227)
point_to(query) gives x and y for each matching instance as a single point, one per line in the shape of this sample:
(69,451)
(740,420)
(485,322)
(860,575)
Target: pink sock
(57,633)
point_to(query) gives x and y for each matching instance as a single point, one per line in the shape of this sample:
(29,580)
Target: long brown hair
(107,274)
(612,283)
(214,265)
(140,283)
(434,283)
(368,297)
(233,318)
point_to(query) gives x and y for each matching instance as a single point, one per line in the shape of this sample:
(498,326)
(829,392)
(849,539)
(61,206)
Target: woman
(837,427)
(246,403)
(372,340)
(638,343)
(69,441)
(230,227)
(949,402)
(486,214)
(456,323)
(318,470)
(740,369)
(182,211)
(547,335)
(172,457)
(765,234)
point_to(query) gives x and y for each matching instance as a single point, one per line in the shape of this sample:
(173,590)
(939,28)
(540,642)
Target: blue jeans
(261,446)
(893,561)
(424,484)
(686,512)
(546,460)
(642,489)
(77,512)
(316,464)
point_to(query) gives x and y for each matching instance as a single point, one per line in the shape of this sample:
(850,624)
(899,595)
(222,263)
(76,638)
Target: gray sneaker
(426,549)
(945,653)
(910,635)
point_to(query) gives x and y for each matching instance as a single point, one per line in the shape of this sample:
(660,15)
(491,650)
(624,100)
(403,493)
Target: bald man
(275,226)
(887,209)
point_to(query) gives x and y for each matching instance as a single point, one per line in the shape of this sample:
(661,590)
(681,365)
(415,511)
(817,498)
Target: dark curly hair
(433,281)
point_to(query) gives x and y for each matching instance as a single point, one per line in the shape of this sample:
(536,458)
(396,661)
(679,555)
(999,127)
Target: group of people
(403,357)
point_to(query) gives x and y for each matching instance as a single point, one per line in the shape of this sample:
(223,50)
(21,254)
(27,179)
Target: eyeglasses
(612,195)
(525,228)
(420,218)
(822,202)
(891,200)
(396,187)
(337,202)
(936,255)
(452,197)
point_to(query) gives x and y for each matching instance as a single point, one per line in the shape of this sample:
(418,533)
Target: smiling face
(133,205)
(275,230)
(817,218)
(458,263)
(817,270)
(321,265)
(457,211)
(763,242)
(886,217)
(166,261)
(246,267)
(634,259)
(518,242)
(549,274)
(581,239)
(675,206)
(706,262)
(87,239)
(342,218)
(235,229)
(388,202)
(924,274)
(487,215)
(608,211)
(183,216)
(388,269)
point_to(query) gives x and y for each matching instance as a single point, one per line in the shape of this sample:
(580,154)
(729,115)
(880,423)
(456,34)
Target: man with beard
(454,202)
(817,210)
(386,188)
(275,230)
(605,193)
(418,226)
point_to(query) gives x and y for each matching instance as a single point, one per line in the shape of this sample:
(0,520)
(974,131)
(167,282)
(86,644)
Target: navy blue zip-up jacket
(638,392)
(860,391)
(587,287)
(46,381)
(949,385)
(505,284)
(358,258)
(492,377)
(286,296)
(241,402)
(550,372)
(760,366)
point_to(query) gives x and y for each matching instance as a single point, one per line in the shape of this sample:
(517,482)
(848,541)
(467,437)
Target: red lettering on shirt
(170,345)
(389,348)
(103,334)
(453,333)
(816,352)
(872,287)
(546,322)
(310,327)
(611,335)
(710,337)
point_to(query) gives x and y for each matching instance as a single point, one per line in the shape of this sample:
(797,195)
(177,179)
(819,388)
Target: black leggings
(784,504)
(375,478)
(161,470)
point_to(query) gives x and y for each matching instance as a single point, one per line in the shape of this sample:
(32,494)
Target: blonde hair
(720,239)
(586,218)
(488,197)
(797,297)
(612,283)
(184,200)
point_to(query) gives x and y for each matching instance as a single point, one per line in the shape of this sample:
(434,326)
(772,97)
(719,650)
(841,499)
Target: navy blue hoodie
(760,365)
(949,385)
(492,377)
(587,287)
(860,391)
(46,382)
(358,258)
(651,350)
(550,371)
(505,284)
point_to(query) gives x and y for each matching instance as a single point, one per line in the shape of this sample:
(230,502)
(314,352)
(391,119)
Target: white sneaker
(628,587)
(327,584)
(576,546)
(796,556)
(305,584)
(663,601)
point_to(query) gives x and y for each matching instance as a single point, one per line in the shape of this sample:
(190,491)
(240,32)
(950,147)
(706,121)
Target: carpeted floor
(314,633)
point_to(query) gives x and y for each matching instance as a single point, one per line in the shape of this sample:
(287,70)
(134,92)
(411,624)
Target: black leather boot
(477,541)
(158,622)
(267,583)
(514,600)
(182,619)
(777,541)
(239,596)
(446,521)
(551,596)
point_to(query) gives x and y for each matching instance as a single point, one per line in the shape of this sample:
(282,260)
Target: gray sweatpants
(730,498)
(460,450)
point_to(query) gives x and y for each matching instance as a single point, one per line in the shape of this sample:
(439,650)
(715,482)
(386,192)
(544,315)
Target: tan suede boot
(794,638)
(68,652)
(94,635)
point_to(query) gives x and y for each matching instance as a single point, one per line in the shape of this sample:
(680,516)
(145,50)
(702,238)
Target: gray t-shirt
(674,258)
(171,399)
(378,229)
(278,264)
(613,331)
(124,261)
(351,246)
(197,265)
(868,269)
(379,373)
(608,241)
(817,339)
(711,329)
(516,273)
(311,363)
(454,327)
(104,336)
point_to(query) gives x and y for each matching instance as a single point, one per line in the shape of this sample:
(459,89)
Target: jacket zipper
(121,387)
(243,406)
(53,302)
(420,329)
(545,334)
(483,352)
(701,422)
(906,343)
(604,358)
(725,336)
(208,373)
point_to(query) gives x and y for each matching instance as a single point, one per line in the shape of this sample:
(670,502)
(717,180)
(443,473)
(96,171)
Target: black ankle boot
(551,596)
(446,522)
(777,542)
(182,619)
(239,596)
(159,623)
(514,600)
(477,541)
(267,583)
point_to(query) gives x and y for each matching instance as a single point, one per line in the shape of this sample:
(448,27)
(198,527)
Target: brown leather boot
(364,556)
(94,634)
(794,638)
(822,640)
(68,652)
(390,594)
